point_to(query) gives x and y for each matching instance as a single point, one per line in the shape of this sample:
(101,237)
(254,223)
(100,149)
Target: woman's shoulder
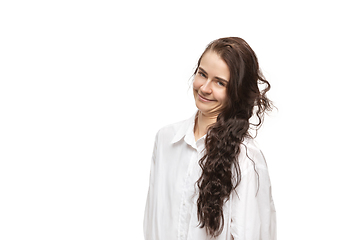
(178,128)
(172,128)
(251,154)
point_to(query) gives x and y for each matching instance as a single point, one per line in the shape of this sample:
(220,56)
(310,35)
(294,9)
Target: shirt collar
(186,131)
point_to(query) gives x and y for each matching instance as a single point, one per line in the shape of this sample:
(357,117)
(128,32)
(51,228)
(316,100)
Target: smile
(203,99)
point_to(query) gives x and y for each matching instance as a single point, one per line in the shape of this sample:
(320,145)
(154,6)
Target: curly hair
(221,172)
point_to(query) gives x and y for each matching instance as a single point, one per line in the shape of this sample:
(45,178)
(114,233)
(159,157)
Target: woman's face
(210,83)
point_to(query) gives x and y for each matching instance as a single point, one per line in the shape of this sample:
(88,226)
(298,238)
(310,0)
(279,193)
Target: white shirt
(171,210)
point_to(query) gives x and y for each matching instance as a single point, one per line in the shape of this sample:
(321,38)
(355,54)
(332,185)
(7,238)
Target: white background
(85,86)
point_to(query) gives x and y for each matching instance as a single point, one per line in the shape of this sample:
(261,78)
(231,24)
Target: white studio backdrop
(85,86)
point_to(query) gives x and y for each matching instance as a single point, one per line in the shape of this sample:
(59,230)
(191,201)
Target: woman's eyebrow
(218,78)
(201,69)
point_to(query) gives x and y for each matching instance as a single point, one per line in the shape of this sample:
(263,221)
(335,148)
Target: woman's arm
(253,215)
(150,207)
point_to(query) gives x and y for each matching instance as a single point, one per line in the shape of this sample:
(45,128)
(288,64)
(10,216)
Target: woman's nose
(206,88)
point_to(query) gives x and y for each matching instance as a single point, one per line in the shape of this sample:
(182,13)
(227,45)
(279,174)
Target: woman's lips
(204,99)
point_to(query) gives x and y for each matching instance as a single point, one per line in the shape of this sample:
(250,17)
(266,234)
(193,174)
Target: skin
(209,88)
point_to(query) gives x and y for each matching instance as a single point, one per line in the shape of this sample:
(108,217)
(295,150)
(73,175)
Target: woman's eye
(201,74)
(221,83)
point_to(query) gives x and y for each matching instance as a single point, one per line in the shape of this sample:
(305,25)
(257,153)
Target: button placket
(185,214)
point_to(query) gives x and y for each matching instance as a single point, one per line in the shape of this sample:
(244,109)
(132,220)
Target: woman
(208,179)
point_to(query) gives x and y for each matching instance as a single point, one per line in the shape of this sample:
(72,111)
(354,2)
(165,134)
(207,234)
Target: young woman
(208,179)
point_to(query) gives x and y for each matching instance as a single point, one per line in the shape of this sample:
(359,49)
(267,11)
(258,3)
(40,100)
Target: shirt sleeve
(149,214)
(253,215)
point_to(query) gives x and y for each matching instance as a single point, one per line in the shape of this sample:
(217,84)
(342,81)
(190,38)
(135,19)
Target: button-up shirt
(171,209)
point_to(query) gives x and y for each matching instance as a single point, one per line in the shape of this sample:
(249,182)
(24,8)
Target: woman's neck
(202,124)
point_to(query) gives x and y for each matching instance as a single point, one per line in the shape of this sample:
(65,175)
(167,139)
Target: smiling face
(209,86)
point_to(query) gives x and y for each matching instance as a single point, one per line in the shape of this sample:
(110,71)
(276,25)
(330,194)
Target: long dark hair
(224,138)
